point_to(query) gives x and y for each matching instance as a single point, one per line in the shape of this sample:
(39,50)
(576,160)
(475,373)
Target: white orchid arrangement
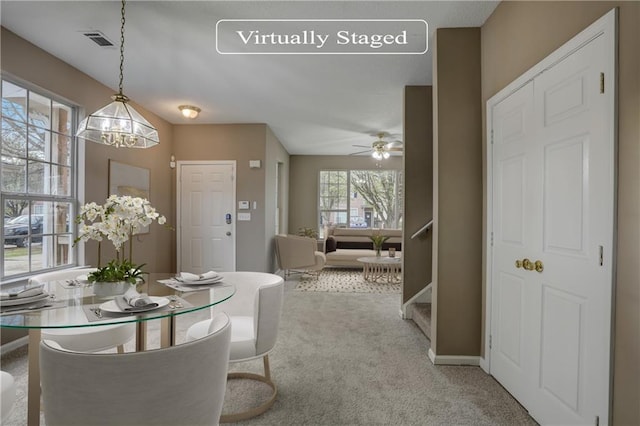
(117,220)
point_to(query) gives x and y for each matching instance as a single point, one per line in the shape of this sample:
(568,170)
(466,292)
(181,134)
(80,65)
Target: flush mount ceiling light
(189,111)
(118,124)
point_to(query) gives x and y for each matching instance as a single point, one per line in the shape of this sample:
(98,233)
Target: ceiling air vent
(98,38)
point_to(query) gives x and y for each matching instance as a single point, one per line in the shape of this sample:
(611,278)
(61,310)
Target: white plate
(111,305)
(202,282)
(23,300)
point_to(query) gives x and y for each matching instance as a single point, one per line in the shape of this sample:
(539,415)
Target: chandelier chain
(122,20)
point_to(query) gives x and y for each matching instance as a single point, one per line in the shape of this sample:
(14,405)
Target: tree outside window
(361,199)
(38,188)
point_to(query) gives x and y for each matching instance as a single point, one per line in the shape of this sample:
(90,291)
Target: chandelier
(119,124)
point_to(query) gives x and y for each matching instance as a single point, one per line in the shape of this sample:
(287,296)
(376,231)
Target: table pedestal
(381,269)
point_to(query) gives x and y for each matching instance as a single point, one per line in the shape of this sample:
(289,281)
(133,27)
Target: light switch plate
(244,216)
(243,205)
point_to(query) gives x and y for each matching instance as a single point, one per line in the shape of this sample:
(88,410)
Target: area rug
(345,281)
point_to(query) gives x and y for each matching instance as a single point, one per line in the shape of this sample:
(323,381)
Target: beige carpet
(349,359)
(345,281)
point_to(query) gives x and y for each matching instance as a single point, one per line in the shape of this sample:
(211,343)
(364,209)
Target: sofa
(343,246)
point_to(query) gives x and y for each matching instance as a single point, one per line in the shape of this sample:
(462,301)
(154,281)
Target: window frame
(398,182)
(76,172)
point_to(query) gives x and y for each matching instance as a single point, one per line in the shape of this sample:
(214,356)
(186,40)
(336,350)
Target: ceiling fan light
(385,155)
(189,111)
(376,155)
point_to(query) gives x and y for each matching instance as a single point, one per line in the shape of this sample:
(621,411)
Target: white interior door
(206,215)
(513,208)
(552,172)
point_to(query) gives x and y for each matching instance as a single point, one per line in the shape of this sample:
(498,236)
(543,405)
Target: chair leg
(244,415)
(267,370)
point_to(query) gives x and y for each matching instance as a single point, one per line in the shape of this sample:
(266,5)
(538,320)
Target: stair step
(421,315)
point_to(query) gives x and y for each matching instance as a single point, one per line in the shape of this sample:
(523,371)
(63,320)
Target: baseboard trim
(404,312)
(453,359)
(14,344)
(484,365)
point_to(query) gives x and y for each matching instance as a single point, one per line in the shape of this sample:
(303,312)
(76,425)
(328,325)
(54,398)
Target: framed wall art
(125,179)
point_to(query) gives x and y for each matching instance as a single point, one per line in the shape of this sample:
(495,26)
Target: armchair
(178,385)
(85,339)
(299,254)
(255,311)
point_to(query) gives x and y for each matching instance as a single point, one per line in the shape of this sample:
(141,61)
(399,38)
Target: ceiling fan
(380,148)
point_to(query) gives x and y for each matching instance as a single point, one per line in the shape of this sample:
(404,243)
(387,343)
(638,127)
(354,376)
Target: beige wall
(457,197)
(25,61)
(303,182)
(516,37)
(418,188)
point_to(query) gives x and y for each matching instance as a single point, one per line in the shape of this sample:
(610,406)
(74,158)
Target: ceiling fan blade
(360,152)
(394,146)
(362,146)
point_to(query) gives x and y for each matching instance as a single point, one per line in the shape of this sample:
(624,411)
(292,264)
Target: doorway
(206,216)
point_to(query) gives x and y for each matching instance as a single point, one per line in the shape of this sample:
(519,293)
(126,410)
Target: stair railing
(427,226)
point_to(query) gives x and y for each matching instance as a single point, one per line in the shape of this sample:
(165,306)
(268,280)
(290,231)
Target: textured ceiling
(315,104)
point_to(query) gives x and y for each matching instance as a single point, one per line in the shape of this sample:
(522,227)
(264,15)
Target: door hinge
(492,239)
(601,82)
(601,255)
(490,343)
(597,420)
(491,136)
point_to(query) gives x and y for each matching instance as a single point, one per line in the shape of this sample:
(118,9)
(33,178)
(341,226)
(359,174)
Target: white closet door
(552,206)
(576,226)
(513,288)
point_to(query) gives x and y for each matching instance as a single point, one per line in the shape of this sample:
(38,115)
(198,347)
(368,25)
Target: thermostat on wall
(243,205)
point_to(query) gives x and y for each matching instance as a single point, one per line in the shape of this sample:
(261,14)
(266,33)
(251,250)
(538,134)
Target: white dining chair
(85,339)
(255,312)
(7,395)
(177,385)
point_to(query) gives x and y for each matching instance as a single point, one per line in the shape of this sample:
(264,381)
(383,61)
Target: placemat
(21,309)
(93,312)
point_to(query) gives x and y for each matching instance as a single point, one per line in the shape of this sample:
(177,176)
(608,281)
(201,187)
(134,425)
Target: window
(334,198)
(38,187)
(360,199)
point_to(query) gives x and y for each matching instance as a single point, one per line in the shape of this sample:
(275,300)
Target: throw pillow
(330,244)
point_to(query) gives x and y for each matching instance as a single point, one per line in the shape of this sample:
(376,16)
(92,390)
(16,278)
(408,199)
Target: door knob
(525,263)
(529,265)
(228,233)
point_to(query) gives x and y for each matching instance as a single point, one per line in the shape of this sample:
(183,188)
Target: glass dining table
(73,304)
